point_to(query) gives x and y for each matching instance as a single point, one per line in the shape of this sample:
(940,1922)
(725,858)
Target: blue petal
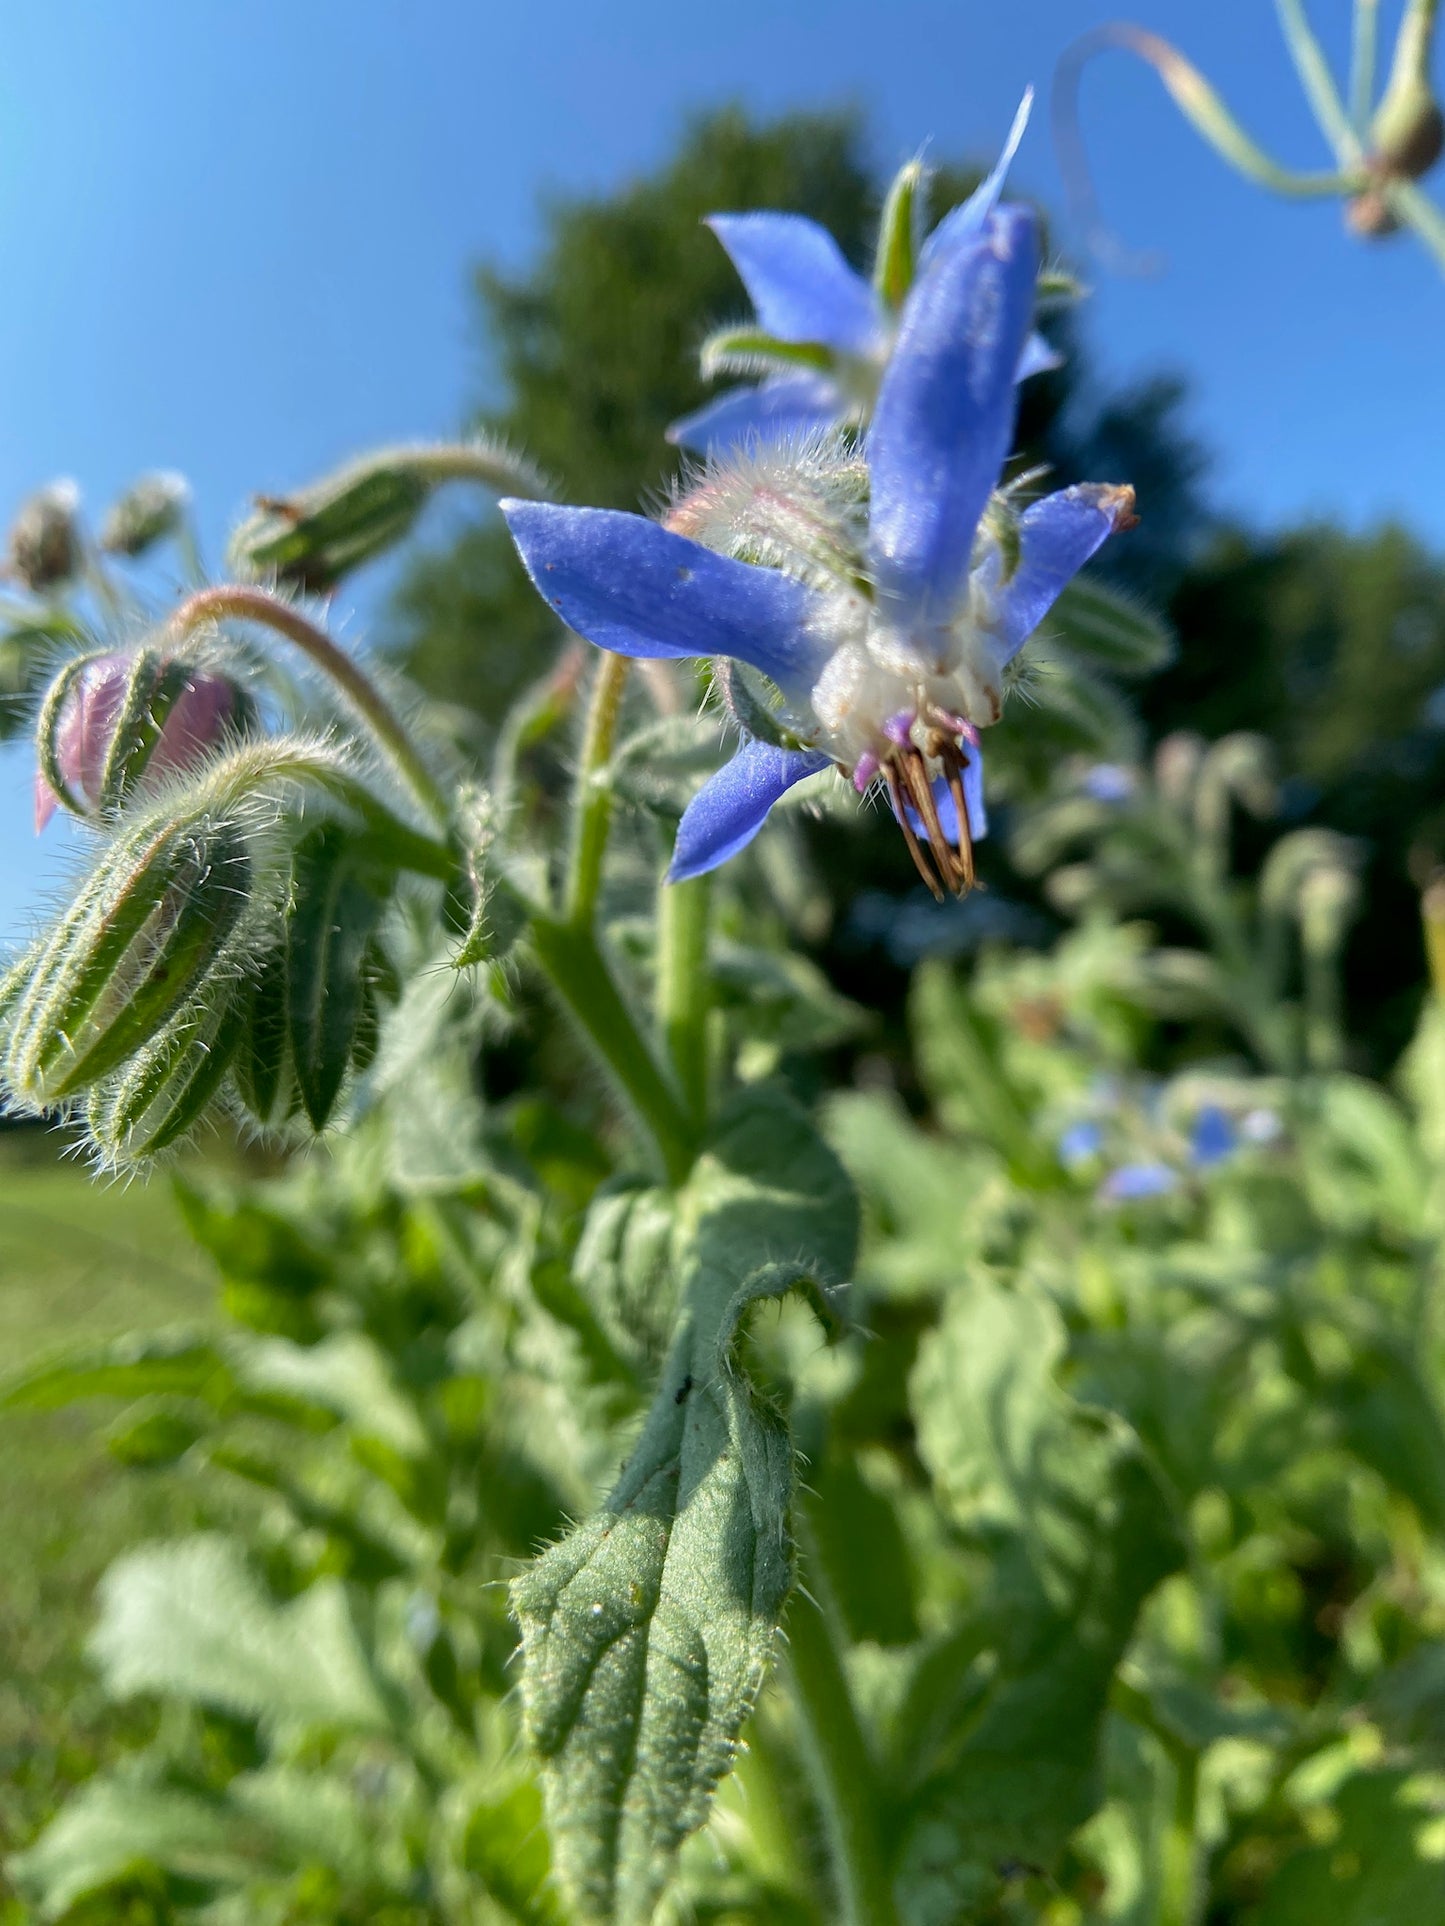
(730,808)
(783,405)
(1056,537)
(945,413)
(969,217)
(802,289)
(633,587)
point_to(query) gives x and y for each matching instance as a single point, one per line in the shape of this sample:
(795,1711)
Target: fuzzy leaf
(647,1633)
(1079,1532)
(190,1620)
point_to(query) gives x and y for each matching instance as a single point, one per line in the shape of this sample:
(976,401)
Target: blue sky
(237,236)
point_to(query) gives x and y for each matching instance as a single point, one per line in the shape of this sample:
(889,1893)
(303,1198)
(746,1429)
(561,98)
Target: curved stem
(1197,100)
(232,602)
(846,1781)
(592,806)
(1363,50)
(1419,213)
(1319,83)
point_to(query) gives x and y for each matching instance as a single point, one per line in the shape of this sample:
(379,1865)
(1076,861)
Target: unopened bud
(800,510)
(112,723)
(1407,134)
(44,547)
(312,539)
(145,514)
(161,912)
(159,1096)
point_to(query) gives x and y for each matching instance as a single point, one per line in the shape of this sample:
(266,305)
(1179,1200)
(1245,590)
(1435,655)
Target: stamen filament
(900,810)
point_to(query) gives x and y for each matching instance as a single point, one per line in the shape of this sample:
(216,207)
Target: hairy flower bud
(163,911)
(312,539)
(44,548)
(161,1093)
(148,511)
(112,722)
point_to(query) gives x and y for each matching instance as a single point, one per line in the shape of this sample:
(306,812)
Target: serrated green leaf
(190,1620)
(646,1634)
(1079,1532)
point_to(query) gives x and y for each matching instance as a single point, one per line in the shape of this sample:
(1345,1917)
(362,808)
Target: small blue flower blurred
(1132,1182)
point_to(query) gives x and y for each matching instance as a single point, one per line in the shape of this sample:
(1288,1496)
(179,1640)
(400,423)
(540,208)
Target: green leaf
(158,1433)
(190,1620)
(1079,1532)
(267,1823)
(646,1634)
(176,1362)
(337,903)
(250,1242)
(1383,1863)
(624,1267)
(111,1832)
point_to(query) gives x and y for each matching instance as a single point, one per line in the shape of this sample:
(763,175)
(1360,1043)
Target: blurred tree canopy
(1331,644)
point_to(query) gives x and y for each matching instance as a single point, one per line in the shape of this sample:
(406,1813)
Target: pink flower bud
(113,721)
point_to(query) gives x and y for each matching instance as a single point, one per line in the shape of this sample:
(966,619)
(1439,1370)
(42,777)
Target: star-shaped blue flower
(822,334)
(887,666)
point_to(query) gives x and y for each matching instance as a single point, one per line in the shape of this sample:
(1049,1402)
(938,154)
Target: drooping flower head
(115,721)
(881,595)
(822,336)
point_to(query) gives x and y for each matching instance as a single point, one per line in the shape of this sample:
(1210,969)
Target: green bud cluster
(224,949)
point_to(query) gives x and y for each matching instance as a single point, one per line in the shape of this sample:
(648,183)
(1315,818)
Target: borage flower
(882,600)
(822,335)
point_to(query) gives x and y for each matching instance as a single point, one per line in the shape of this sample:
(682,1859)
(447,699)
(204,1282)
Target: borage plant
(1019,1620)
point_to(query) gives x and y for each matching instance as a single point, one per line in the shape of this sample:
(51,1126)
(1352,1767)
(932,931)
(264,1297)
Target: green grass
(78,1261)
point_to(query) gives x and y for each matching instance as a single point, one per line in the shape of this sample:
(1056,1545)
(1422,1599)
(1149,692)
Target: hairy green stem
(235,603)
(573,960)
(683,986)
(846,1782)
(1364,48)
(592,807)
